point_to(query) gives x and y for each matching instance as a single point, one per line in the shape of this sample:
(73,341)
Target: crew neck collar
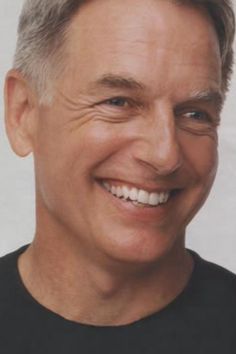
(184,295)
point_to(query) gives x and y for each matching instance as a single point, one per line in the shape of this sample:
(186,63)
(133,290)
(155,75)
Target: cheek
(96,143)
(201,154)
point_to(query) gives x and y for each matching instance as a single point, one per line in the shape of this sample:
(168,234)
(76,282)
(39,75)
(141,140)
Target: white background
(213,231)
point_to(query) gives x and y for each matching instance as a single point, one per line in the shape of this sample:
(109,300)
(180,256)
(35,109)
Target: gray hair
(43,27)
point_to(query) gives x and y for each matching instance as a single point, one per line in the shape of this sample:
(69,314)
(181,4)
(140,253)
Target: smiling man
(119,103)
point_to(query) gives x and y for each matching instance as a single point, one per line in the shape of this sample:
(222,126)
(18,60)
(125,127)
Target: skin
(160,134)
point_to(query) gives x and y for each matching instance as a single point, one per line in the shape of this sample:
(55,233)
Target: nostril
(161,167)
(161,152)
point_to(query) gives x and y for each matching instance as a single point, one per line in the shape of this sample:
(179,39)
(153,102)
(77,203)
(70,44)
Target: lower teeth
(140,205)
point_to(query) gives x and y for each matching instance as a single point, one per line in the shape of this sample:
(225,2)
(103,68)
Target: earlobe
(20,113)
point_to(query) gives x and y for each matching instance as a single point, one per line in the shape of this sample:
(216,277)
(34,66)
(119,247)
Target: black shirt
(201,320)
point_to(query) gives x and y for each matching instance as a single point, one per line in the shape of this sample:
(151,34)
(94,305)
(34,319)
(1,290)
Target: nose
(160,147)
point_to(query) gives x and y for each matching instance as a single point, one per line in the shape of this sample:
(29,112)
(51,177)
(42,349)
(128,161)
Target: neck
(68,284)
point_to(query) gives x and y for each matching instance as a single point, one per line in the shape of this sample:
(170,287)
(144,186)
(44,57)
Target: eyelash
(128,102)
(125,100)
(205,117)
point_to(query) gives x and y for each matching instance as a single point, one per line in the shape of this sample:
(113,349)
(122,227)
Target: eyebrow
(213,96)
(114,81)
(118,82)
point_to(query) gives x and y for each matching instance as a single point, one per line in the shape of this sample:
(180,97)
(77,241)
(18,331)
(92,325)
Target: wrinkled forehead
(91,13)
(141,38)
(152,21)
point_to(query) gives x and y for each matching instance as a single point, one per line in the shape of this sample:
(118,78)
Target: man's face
(136,111)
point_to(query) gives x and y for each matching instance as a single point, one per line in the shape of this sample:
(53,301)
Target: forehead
(145,38)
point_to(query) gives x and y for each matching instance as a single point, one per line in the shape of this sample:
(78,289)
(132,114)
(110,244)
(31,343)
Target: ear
(20,113)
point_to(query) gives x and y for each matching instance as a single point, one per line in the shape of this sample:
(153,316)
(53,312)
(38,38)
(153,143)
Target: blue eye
(117,101)
(197,115)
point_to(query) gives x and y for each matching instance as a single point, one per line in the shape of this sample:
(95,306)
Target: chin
(140,247)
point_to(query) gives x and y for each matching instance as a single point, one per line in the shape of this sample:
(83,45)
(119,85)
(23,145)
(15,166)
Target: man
(119,102)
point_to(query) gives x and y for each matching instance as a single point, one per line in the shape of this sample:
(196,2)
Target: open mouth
(139,197)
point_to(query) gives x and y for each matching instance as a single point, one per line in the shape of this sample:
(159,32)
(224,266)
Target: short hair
(43,26)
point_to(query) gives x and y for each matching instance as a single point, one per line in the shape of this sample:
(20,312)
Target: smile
(138,197)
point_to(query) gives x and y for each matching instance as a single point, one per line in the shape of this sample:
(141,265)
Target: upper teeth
(137,195)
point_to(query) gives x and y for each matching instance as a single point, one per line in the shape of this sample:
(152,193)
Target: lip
(130,211)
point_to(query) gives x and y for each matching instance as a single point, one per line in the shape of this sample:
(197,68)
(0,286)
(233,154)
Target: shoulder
(215,283)
(10,259)
(9,273)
